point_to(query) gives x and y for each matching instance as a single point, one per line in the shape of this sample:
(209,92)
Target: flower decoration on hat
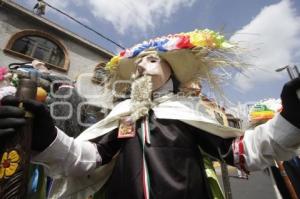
(200,55)
(112,64)
(198,38)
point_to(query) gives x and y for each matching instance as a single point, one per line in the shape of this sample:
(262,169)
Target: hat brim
(186,64)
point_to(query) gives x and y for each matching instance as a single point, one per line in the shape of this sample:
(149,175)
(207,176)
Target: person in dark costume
(151,145)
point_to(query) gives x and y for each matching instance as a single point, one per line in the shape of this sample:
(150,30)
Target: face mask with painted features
(152,65)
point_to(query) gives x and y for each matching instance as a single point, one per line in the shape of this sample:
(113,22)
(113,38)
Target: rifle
(15,150)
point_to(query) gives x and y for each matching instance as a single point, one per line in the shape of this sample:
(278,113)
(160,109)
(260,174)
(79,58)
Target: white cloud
(127,16)
(135,15)
(273,39)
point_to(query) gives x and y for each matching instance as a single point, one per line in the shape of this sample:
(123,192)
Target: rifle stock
(15,150)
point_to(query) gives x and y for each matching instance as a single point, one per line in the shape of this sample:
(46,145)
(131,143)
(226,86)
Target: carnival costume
(152,148)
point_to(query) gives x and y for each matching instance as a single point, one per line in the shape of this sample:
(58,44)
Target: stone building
(25,36)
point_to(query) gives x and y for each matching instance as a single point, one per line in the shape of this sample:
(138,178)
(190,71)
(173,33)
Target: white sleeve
(275,140)
(67,156)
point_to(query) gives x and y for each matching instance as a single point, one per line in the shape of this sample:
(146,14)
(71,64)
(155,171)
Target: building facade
(25,36)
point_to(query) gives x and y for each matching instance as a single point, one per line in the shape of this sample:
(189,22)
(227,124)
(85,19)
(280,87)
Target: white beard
(141,92)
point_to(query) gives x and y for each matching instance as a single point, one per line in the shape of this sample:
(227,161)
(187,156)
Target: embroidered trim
(145,140)
(127,128)
(145,128)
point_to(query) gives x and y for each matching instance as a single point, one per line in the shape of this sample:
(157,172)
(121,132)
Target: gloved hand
(291,102)
(12,117)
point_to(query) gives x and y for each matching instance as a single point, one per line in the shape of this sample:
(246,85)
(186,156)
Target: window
(32,44)
(39,48)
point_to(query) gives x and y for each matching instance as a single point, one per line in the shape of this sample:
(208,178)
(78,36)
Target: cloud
(273,41)
(126,16)
(136,16)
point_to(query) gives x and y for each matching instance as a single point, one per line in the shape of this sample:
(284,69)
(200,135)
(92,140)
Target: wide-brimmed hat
(192,56)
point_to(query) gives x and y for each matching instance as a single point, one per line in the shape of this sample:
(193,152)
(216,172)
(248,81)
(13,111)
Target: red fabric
(239,154)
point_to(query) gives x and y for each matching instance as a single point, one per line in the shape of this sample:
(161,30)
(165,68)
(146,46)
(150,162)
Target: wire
(89,28)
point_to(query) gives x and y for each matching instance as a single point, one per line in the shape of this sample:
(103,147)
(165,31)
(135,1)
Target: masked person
(150,146)
(40,7)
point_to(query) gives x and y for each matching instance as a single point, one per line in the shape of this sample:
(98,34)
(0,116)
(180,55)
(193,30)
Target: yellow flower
(203,38)
(112,64)
(9,163)
(208,38)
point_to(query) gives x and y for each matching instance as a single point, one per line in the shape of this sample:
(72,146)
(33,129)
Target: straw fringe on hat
(192,56)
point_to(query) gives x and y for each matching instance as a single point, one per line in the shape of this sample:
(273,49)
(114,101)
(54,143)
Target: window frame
(38,33)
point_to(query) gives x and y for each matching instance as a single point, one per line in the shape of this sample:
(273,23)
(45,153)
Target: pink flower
(3,71)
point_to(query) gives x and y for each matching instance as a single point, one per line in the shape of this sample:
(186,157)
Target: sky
(268,32)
